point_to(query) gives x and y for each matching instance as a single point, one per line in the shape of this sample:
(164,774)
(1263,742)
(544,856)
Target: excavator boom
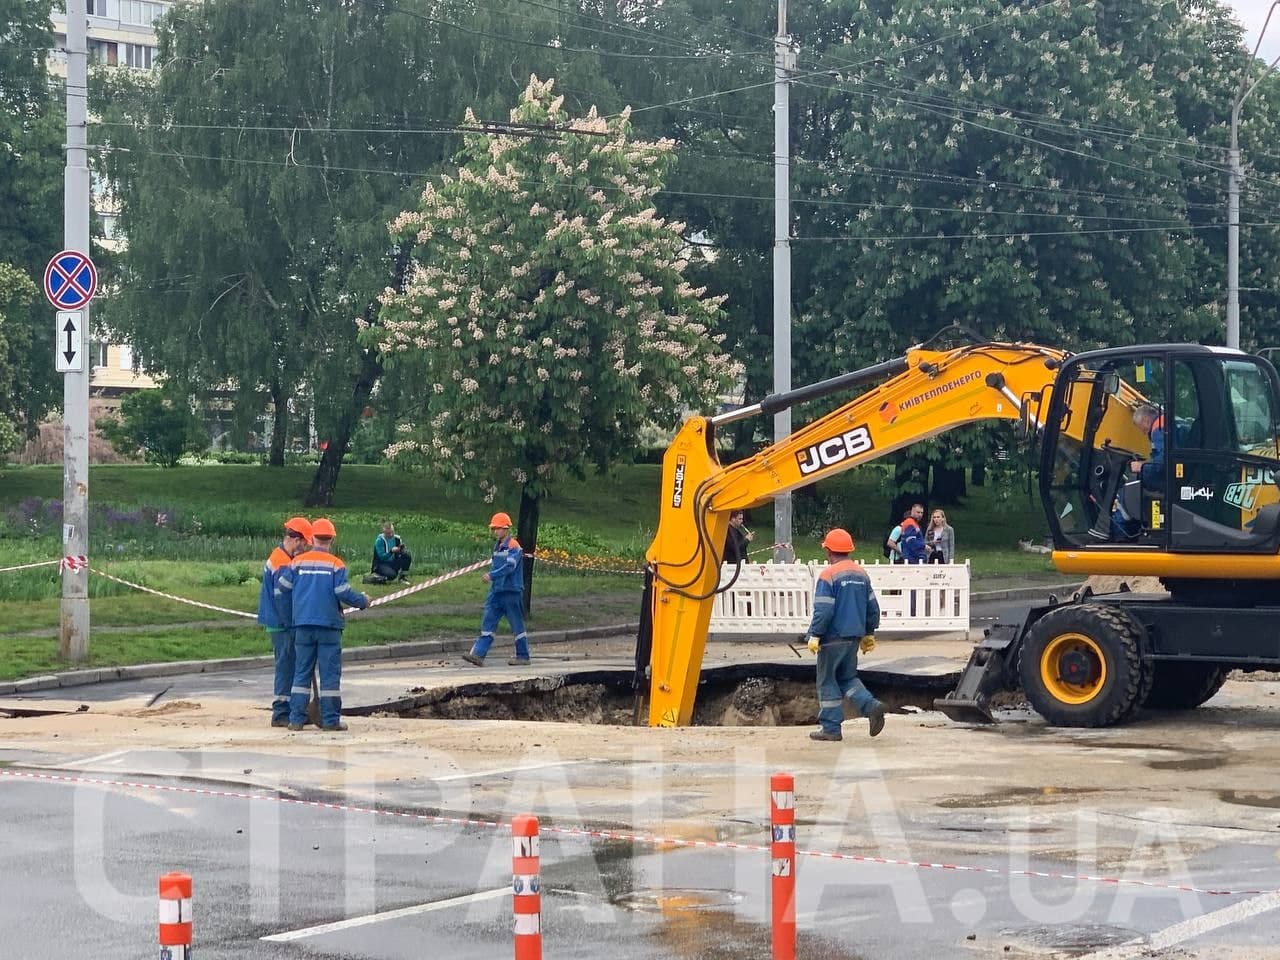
(928,392)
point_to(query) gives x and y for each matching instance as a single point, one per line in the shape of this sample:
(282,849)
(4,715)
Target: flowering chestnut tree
(546,316)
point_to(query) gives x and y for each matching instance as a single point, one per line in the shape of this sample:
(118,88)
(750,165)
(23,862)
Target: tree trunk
(527,534)
(904,477)
(948,486)
(279,423)
(978,476)
(325,482)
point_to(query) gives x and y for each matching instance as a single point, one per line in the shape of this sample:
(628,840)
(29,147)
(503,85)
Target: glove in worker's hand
(868,643)
(813,643)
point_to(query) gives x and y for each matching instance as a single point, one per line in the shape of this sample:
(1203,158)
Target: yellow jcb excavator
(1158,460)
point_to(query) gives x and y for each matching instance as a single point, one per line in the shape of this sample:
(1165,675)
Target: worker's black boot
(876,716)
(824,735)
(473,659)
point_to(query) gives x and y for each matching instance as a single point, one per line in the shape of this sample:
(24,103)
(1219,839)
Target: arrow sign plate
(68,351)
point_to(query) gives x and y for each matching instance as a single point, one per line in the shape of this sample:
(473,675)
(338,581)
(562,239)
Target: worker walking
(317,583)
(845,617)
(506,595)
(275,612)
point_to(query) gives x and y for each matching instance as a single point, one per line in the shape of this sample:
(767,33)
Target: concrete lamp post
(1236,177)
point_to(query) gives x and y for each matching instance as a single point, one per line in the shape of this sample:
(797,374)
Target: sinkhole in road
(752,695)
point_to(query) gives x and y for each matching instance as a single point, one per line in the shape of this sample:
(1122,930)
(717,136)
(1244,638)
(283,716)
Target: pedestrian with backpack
(906,541)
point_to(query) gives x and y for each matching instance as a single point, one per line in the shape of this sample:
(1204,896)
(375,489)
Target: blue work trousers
(837,679)
(322,647)
(509,604)
(282,647)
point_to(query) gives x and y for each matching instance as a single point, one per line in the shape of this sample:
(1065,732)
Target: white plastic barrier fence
(778,597)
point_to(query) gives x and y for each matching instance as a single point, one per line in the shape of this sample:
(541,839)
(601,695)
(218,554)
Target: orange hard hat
(499,520)
(838,541)
(300,526)
(323,528)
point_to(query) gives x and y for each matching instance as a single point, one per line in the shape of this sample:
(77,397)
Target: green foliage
(547,317)
(31,182)
(17,295)
(163,427)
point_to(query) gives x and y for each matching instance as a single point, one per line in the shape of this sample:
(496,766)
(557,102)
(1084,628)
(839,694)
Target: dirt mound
(1136,584)
(173,706)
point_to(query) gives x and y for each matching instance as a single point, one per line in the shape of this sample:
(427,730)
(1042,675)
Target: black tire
(1107,644)
(1184,686)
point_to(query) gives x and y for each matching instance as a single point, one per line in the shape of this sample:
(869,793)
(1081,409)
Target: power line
(815,73)
(1021,136)
(533,43)
(664,191)
(1021,234)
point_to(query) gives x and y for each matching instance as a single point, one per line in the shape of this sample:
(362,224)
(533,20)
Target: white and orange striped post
(175,916)
(782,817)
(526,886)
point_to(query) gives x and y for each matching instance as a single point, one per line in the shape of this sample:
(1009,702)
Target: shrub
(162,427)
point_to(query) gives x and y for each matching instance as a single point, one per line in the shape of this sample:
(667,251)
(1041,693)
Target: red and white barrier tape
(768,549)
(74,564)
(584,833)
(434,581)
(570,565)
(590,568)
(171,596)
(32,566)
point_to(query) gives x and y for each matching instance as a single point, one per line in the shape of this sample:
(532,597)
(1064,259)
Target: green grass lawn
(203,531)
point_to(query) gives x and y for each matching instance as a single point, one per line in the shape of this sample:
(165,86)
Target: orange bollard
(175,916)
(526,903)
(782,816)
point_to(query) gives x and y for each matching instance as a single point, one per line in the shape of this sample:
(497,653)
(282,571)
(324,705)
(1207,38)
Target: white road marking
(352,922)
(1190,929)
(501,770)
(100,758)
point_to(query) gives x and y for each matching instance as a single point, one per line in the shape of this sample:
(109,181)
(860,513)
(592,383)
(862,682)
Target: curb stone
(1062,590)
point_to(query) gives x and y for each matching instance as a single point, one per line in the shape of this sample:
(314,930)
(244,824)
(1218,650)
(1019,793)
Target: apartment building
(121,34)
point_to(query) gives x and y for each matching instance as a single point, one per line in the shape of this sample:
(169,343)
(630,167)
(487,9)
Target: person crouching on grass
(317,583)
(275,612)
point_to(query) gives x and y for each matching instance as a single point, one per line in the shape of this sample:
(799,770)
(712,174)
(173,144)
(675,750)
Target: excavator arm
(927,393)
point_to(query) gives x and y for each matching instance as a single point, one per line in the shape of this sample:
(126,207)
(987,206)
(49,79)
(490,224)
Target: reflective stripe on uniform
(330,693)
(305,691)
(818,600)
(830,703)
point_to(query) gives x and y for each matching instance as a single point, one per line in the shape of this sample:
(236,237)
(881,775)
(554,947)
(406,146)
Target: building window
(138,56)
(126,357)
(103,51)
(96,8)
(140,13)
(99,354)
(110,229)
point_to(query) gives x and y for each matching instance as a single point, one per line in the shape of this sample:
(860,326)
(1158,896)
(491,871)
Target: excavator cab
(1169,449)
(1158,461)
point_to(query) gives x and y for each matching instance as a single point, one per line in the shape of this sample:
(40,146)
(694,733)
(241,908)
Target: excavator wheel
(1184,686)
(1081,666)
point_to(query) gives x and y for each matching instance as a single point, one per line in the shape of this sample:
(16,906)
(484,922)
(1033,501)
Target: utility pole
(784,63)
(73,641)
(1235,177)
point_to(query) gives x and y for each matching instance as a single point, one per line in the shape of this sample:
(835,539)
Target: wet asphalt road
(81,862)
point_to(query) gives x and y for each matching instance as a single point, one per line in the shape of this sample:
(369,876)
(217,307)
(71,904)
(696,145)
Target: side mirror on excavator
(1111,384)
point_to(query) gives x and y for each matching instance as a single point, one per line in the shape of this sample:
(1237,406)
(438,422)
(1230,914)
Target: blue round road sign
(70,280)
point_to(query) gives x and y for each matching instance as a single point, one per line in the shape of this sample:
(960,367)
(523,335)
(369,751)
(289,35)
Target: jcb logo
(829,452)
(677,495)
